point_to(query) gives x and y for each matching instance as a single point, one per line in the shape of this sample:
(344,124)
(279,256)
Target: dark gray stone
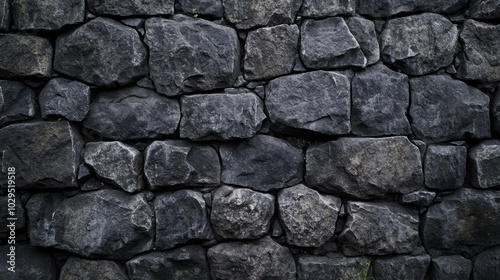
(179,163)
(92,184)
(297,204)
(495,111)
(270,51)
(241,213)
(393,229)
(81,269)
(444,109)
(8,212)
(210,8)
(338,268)
(221,116)
(46,14)
(31,263)
(365,167)
(181,217)
(65,98)
(259,259)
(445,166)
(107,224)
(401,267)
(419,44)
(484,163)
(186,263)
(17,102)
(133,113)
(363,31)
(451,268)
(327,8)
(131,7)
(4,15)
(387,8)
(89,53)
(187,54)
(484,9)
(45,154)
(247,14)
(319,101)
(487,264)
(418,198)
(25,56)
(380,100)
(262,163)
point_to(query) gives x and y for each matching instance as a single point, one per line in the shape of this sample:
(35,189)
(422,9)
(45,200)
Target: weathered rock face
(386,8)
(259,259)
(445,167)
(444,109)
(363,31)
(47,14)
(484,9)
(484,163)
(261,163)
(106,223)
(248,14)
(87,53)
(44,154)
(315,267)
(327,8)
(318,101)
(65,98)
(78,268)
(131,7)
(177,163)
(187,54)
(418,198)
(451,268)
(30,263)
(419,44)
(401,267)
(4,15)
(17,102)
(393,229)
(475,215)
(487,264)
(211,8)
(132,113)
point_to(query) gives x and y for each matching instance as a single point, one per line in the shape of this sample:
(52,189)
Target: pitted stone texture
(419,44)
(462,223)
(221,116)
(480,60)
(187,54)
(487,264)
(309,218)
(210,8)
(387,8)
(102,52)
(495,111)
(116,163)
(65,98)
(484,163)
(181,217)
(401,267)
(31,263)
(365,167)
(445,166)
(247,14)
(262,163)
(4,15)
(132,113)
(393,229)
(444,109)
(363,31)
(319,101)
(25,56)
(107,224)
(82,269)
(418,198)
(179,163)
(328,43)
(187,262)
(484,9)
(380,100)
(17,102)
(45,154)
(450,268)
(131,7)
(47,14)
(270,51)
(327,8)
(241,213)
(258,259)
(326,268)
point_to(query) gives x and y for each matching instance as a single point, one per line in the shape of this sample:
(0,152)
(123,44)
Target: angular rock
(387,8)
(65,98)
(326,268)
(363,31)
(107,224)
(462,223)
(44,154)
(30,263)
(444,109)
(177,163)
(241,213)
(77,268)
(133,113)
(495,111)
(25,56)
(270,51)
(187,54)
(393,229)
(484,163)
(246,14)
(451,268)
(418,198)
(328,43)
(262,163)
(484,9)
(308,217)
(187,262)
(4,15)
(445,166)
(319,101)
(401,267)
(221,116)
(89,53)
(327,8)
(131,7)
(210,8)
(17,102)
(487,264)
(181,217)
(47,14)
(365,167)
(419,44)
(258,259)
(380,100)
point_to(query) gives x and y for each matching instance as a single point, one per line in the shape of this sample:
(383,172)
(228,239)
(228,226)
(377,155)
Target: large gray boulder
(4,15)
(81,269)
(335,267)
(30,263)
(445,166)
(363,31)
(484,9)
(484,164)
(47,14)
(17,102)
(210,8)
(327,8)
(387,8)
(401,267)
(65,98)
(450,268)
(126,8)
(247,14)
(487,264)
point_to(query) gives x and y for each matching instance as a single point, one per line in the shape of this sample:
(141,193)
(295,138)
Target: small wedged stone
(81,269)
(445,166)
(126,8)
(30,263)
(326,268)
(46,14)
(418,198)
(4,15)
(484,164)
(210,8)
(450,268)
(387,8)
(486,265)
(247,14)
(484,9)
(363,31)
(65,98)
(401,267)
(17,102)
(327,8)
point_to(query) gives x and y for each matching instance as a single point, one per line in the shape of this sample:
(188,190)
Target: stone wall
(238,139)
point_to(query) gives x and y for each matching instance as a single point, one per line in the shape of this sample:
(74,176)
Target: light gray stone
(46,14)
(81,269)
(247,14)
(450,268)
(445,166)
(17,102)
(210,8)
(363,31)
(484,9)
(338,268)
(484,164)
(401,267)
(131,7)
(387,8)
(327,8)
(65,98)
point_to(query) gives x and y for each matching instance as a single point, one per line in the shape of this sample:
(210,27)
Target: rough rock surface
(327,8)
(259,259)
(419,44)
(387,8)
(65,98)
(6,212)
(177,163)
(318,101)
(487,264)
(4,15)
(262,163)
(47,14)
(246,14)
(418,198)
(90,54)
(78,269)
(210,8)
(132,113)
(484,163)
(495,111)
(30,263)
(17,102)
(187,54)
(107,224)
(363,31)
(393,229)
(401,267)
(325,268)
(484,9)
(131,7)
(445,166)
(445,109)
(451,268)
(221,116)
